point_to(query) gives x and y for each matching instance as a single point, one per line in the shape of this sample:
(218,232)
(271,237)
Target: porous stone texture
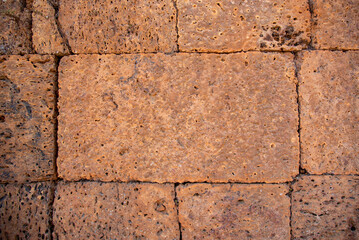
(227,26)
(93,210)
(329,101)
(326,207)
(27,103)
(177,118)
(47,37)
(25,211)
(15,27)
(233,211)
(117,26)
(335,24)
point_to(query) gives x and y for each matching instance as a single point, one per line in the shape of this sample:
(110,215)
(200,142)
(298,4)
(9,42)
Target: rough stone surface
(27,102)
(25,211)
(177,118)
(234,211)
(119,26)
(15,27)
(326,207)
(46,33)
(335,24)
(329,112)
(225,26)
(92,210)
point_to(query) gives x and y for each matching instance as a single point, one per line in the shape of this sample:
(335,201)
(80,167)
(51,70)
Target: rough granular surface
(335,24)
(92,210)
(27,102)
(15,27)
(119,26)
(227,26)
(328,91)
(25,211)
(46,33)
(234,211)
(177,118)
(326,207)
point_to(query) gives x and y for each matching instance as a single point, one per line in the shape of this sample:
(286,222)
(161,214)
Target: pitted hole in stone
(160,205)
(278,36)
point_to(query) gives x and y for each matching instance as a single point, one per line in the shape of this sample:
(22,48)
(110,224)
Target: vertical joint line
(56,114)
(311,22)
(56,148)
(51,209)
(177,208)
(297,69)
(290,195)
(177,32)
(24,3)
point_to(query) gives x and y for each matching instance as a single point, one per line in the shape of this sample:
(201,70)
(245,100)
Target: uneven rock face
(15,27)
(326,207)
(119,26)
(92,210)
(225,26)
(335,24)
(329,112)
(27,101)
(25,211)
(46,33)
(234,211)
(177,118)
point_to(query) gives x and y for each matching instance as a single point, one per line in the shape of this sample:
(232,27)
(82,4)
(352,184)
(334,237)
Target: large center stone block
(178,118)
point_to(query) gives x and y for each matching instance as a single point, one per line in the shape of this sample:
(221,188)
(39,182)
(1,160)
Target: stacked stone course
(178,119)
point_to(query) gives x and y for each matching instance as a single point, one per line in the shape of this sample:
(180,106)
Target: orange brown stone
(15,27)
(178,118)
(229,26)
(46,31)
(325,207)
(335,24)
(328,89)
(27,139)
(93,210)
(25,211)
(119,26)
(233,211)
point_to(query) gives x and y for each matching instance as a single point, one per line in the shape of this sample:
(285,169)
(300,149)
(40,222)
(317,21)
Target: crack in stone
(176,8)
(311,11)
(177,208)
(297,68)
(58,25)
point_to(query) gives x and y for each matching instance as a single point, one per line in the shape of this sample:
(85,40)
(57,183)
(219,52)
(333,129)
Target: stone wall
(178,119)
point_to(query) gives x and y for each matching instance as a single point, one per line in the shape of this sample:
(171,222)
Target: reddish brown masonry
(177,119)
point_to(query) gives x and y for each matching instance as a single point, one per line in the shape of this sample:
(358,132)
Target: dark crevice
(51,209)
(56,148)
(177,208)
(208,52)
(55,117)
(55,5)
(303,171)
(297,66)
(24,3)
(176,8)
(59,179)
(311,11)
(289,194)
(169,182)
